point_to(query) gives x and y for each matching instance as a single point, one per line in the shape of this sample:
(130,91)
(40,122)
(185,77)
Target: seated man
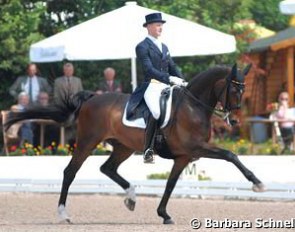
(25,131)
(109,84)
(51,132)
(42,99)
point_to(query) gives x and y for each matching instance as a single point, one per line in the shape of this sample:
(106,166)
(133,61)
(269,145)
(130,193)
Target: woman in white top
(287,127)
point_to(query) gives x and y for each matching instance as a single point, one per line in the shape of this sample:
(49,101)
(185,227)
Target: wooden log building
(272,72)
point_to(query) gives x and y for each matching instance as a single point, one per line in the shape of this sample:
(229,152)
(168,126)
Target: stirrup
(148,156)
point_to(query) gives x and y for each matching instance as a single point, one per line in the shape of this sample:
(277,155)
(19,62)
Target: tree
(267,14)
(19,28)
(63,14)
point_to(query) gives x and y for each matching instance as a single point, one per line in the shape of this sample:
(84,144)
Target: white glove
(184,83)
(176,80)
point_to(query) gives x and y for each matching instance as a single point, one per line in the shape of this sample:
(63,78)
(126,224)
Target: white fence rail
(184,188)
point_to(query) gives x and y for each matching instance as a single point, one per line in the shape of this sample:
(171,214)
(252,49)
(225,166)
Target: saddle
(140,116)
(141,113)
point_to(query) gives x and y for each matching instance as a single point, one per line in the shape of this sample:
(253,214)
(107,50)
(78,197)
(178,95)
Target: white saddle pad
(140,123)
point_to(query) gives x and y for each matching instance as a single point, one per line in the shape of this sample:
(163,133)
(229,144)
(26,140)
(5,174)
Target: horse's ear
(247,69)
(234,71)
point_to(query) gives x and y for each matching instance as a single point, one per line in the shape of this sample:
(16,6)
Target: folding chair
(11,135)
(276,133)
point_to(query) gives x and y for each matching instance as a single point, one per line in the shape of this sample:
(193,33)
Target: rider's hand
(285,104)
(176,81)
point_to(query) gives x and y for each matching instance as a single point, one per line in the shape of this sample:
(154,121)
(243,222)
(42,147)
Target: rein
(218,112)
(222,113)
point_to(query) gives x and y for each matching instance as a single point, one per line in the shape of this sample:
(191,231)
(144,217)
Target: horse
(186,136)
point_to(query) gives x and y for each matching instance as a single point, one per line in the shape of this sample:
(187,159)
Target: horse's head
(231,95)
(219,84)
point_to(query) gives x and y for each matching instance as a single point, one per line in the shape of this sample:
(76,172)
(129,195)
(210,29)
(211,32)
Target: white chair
(276,133)
(10,136)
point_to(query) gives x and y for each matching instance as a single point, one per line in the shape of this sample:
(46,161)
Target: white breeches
(152,97)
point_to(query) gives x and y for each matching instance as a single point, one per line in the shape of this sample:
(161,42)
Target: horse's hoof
(66,221)
(168,222)
(130,204)
(63,215)
(258,188)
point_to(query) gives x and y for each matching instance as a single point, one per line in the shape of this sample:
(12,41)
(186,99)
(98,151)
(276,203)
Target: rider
(159,71)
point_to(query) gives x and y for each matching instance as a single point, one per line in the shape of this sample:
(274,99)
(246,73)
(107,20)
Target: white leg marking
(130,192)
(62,213)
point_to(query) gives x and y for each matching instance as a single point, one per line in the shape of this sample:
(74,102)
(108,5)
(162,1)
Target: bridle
(225,112)
(239,85)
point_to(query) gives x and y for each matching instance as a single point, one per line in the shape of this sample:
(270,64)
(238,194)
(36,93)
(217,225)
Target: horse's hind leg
(218,153)
(82,151)
(179,164)
(120,154)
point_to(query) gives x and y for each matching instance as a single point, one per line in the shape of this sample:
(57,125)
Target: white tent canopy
(115,34)
(287,7)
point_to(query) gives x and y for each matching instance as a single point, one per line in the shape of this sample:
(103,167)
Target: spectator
(287,127)
(31,84)
(109,84)
(43,99)
(51,131)
(66,87)
(25,129)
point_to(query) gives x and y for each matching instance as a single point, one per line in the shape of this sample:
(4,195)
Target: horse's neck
(205,86)
(203,96)
(192,106)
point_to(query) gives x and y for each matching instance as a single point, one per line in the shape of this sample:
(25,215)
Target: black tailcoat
(156,65)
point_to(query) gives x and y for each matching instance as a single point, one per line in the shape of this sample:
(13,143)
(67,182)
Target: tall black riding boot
(150,135)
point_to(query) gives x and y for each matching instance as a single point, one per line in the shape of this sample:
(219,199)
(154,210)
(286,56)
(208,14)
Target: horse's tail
(60,113)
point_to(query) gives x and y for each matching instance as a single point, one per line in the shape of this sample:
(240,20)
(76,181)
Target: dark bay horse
(187,134)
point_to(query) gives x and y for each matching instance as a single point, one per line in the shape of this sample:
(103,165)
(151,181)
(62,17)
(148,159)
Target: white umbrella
(287,7)
(115,34)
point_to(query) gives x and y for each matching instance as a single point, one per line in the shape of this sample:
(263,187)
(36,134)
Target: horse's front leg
(217,153)
(69,175)
(179,164)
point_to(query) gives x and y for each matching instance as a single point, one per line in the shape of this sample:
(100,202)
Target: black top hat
(153,18)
